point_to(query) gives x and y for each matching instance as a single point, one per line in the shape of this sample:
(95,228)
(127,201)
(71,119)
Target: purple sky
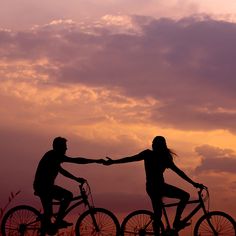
(111,76)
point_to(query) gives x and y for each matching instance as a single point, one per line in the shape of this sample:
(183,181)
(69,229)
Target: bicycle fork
(208,218)
(96,227)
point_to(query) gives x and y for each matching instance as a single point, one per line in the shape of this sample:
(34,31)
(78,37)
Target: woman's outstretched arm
(137,157)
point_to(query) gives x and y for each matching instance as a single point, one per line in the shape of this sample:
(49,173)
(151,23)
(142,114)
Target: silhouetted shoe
(171,232)
(51,229)
(180,225)
(63,224)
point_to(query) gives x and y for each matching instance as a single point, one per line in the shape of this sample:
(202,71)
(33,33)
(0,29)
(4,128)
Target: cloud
(89,111)
(187,67)
(216,159)
(22,147)
(109,87)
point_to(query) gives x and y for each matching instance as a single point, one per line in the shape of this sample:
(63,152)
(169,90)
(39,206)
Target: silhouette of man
(46,173)
(156,161)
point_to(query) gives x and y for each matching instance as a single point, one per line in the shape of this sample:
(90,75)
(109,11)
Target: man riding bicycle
(48,169)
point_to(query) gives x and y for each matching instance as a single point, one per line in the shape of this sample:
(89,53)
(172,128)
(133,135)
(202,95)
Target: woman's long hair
(159,145)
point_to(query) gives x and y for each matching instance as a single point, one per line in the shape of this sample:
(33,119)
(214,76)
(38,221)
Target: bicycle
(211,223)
(25,220)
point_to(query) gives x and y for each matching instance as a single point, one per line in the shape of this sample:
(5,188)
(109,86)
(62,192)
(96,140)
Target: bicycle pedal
(186,225)
(64,225)
(171,232)
(182,225)
(52,230)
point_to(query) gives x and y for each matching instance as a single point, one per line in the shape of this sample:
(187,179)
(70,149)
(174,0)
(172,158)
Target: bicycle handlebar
(81,185)
(85,191)
(202,187)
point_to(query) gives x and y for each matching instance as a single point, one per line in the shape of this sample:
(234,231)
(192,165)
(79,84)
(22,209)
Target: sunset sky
(109,76)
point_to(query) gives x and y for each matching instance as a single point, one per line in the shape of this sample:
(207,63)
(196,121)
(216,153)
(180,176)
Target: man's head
(59,144)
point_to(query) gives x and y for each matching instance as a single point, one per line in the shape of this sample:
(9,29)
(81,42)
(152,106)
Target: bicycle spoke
(215,223)
(21,220)
(138,223)
(97,222)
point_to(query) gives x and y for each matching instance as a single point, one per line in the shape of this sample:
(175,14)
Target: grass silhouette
(3,209)
(11,197)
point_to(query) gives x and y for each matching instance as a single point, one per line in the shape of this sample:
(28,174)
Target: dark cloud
(216,159)
(187,65)
(189,116)
(233,186)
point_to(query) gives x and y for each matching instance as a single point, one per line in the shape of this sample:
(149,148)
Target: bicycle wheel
(21,220)
(97,221)
(215,223)
(139,222)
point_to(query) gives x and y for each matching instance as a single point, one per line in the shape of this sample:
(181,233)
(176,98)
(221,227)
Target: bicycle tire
(223,224)
(21,220)
(107,223)
(139,222)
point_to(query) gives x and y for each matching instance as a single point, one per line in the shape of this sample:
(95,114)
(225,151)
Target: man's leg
(174,192)
(65,197)
(46,201)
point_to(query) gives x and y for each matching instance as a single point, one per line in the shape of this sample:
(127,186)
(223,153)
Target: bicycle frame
(200,205)
(27,220)
(80,199)
(84,199)
(142,222)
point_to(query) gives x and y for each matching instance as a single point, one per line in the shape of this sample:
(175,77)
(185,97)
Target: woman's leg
(156,200)
(174,192)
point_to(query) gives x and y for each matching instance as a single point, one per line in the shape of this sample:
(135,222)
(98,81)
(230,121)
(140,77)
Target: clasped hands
(108,161)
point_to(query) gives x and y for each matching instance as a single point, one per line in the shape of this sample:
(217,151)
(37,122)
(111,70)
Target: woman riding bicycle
(156,161)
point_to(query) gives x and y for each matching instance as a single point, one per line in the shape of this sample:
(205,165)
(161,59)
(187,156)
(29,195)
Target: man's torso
(47,170)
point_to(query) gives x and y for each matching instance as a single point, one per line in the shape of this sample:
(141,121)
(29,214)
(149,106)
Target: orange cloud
(110,92)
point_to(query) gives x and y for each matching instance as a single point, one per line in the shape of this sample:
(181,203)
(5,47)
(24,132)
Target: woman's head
(158,143)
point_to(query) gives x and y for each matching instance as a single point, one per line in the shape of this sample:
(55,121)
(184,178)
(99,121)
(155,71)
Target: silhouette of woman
(156,161)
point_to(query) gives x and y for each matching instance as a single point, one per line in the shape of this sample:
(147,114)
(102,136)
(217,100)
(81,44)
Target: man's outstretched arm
(138,157)
(83,160)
